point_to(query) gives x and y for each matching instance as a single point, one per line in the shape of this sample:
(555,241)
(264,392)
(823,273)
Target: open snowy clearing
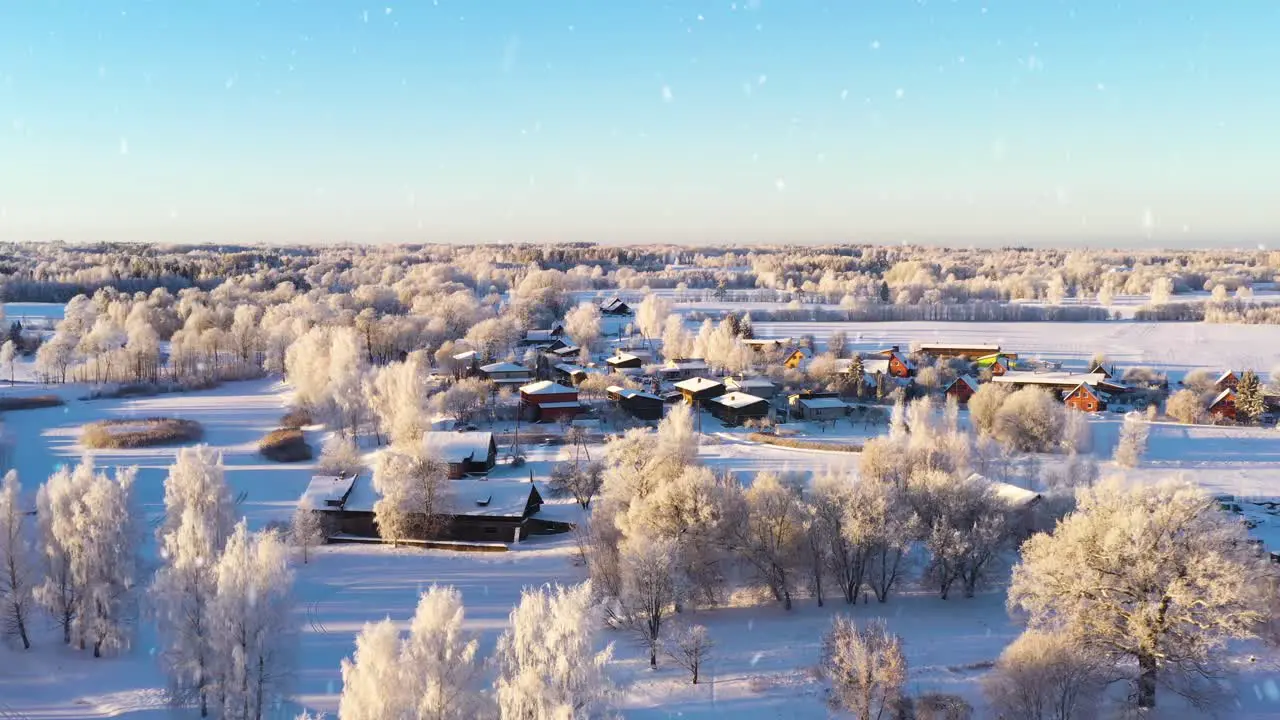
(763,666)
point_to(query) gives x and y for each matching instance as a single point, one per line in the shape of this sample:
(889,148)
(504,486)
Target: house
(475,510)
(1224,405)
(1023,506)
(547,401)
(466,364)
(696,390)
(624,361)
(960,350)
(962,388)
(897,364)
(736,408)
(1100,369)
(794,358)
(506,373)
(794,400)
(466,453)
(566,352)
(683,368)
(640,405)
(770,345)
(1227,380)
(1061,381)
(760,387)
(999,366)
(1086,398)
(568,373)
(545,338)
(614,306)
(820,408)
(327,491)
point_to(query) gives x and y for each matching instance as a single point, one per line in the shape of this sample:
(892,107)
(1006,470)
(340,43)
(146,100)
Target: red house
(900,366)
(1224,405)
(548,401)
(1226,381)
(962,388)
(1086,398)
(999,367)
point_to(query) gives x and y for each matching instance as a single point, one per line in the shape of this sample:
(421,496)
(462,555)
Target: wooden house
(506,373)
(624,361)
(683,368)
(760,387)
(562,354)
(466,364)
(614,306)
(962,388)
(736,408)
(1086,398)
(1008,359)
(999,367)
(697,390)
(638,404)
(960,350)
(475,510)
(568,373)
(1100,369)
(1227,380)
(767,345)
(794,358)
(1223,406)
(466,453)
(820,409)
(547,401)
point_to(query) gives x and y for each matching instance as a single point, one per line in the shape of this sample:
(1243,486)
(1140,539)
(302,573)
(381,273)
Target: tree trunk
(653,656)
(1146,680)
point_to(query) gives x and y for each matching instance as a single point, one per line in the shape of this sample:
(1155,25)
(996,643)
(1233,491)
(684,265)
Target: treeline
(967,312)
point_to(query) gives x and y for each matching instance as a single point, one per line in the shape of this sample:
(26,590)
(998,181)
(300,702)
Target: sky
(1135,122)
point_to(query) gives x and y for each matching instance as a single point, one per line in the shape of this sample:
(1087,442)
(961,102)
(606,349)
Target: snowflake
(666,94)
(875,44)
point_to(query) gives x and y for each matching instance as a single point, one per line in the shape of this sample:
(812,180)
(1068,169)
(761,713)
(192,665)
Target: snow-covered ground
(765,659)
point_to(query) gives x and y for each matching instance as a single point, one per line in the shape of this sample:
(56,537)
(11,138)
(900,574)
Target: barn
(614,306)
(960,350)
(548,401)
(736,408)
(1224,405)
(506,373)
(467,453)
(821,408)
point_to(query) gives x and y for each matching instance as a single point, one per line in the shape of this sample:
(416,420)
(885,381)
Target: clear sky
(1138,121)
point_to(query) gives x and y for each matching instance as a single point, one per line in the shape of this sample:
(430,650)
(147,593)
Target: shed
(506,373)
(821,408)
(614,306)
(624,361)
(638,404)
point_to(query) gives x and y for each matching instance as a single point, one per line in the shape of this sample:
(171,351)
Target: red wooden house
(962,388)
(1224,405)
(1086,398)
(1227,380)
(548,401)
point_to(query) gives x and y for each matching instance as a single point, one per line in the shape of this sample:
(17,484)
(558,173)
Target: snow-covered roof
(738,400)
(697,384)
(822,403)
(326,491)
(503,367)
(490,498)
(765,342)
(612,303)
(567,350)
(871,366)
(570,368)
(1224,376)
(558,405)
(630,393)
(1228,392)
(749,383)
(457,447)
(546,387)
(1030,377)
(622,357)
(686,364)
(1012,494)
(968,380)
(540,335)
(468,355)
(926,347)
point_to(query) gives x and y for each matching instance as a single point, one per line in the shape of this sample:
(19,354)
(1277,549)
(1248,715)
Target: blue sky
(1137,121)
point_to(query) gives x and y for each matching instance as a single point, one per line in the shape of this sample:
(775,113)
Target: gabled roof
(967,380)
(457,447)
(327,491)
(1227,393)
(540,335)
(490,498)
(737,400)
(628,393)
(546,387)
(822,403)
(613,303)
(968,347)
(697,384)
(468,355)
(1087,388)
(749,383)
(570,368)
(1224,376)
(686,364)
(621,358)
(567,350)
(504,367)
(1059,379)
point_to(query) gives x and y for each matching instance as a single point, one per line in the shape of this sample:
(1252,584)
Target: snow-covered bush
(866,668)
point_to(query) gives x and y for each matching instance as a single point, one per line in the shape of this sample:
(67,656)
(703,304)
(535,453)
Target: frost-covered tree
(1029,420)
(866,667)
(968,527)
(983,406)
(1152,574)
(339,456)
(1250,403)
(8,354)
(690,647)
(650,591)
(253,638)
(398,398)
(89,541)
(771,538)
(547,664)
(307,530)
(1161,291)
(1045,676)
(199,517)
(1133,440)
(579,481)
(412,491)
(371,677)
(1185,406)
(676,341)
(651,316)
(582,324)
(439,663)
(17,563)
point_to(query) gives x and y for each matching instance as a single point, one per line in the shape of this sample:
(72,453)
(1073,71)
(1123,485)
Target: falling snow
(666,94)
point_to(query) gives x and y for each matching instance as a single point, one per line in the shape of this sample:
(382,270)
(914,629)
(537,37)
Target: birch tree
(770,540)
(17,563)
(866,667)
(199,517)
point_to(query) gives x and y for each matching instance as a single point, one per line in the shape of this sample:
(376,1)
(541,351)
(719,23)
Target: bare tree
(582,482)
(1045,676)
(17,563)
(690,647)
(307,530)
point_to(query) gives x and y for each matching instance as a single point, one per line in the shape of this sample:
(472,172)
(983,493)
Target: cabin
(962,388)
(544,338)
(614,306)
(1228,380)
(683,368)
(638,404)
(547,401)
(506,373)
(735,408)
(794,358)
(466,453)
(466,364)
(896,364)
(475,510)
(1000,367)
(1223,406)
(760,387)
(1086,398)
(568,373)
(1024,507)
(624,361)
(820,409)
(957,350)
(568,352)
(697,390)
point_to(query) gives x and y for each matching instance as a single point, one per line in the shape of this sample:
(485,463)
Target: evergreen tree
(1249,401)
(858,375)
